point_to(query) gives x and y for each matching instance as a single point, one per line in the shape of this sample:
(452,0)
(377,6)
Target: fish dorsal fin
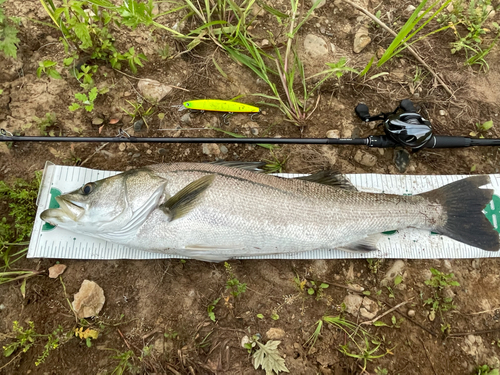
(252,166)
(330,178)
(184,201)
(364,245)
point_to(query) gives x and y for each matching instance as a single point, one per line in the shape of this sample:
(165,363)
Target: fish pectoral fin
(184,201)
(364,245)
(330,178)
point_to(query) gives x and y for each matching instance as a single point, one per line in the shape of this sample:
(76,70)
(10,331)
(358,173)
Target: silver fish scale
(244,213)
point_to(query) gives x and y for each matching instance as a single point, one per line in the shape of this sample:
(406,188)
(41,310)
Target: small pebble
(223,149)
(255,131)
(138,125)
(411,313)
(162,151)
(442,112)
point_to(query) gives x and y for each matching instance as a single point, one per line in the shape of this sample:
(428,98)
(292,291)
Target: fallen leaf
(114,121)
(56,270)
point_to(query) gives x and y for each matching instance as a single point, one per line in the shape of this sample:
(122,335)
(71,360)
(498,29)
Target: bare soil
(148,301)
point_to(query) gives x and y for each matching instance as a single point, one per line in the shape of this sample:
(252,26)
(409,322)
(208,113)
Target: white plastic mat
(47,242)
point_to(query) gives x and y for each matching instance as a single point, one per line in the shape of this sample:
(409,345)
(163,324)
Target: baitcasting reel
(406,129)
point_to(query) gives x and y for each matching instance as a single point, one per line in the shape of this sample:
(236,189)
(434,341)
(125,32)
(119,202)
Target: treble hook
(122,134)
(226,116)
(4,132)
(254,114)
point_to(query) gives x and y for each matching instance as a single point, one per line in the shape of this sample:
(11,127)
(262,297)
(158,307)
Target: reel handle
(407,106)
(363,112)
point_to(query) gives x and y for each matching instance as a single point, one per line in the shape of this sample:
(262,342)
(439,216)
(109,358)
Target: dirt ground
(158,309)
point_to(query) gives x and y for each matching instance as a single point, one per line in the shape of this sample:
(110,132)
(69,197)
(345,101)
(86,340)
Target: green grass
(361,345)
(226,23)
(15,228)
(8,33)
(411,28)
(468,19)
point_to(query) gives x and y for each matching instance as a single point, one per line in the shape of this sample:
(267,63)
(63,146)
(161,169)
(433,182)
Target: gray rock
(210,149)
(396,269)
(275,334)
(410,9)
(333,133)
(369,308)
(186,118)
(162,151)
(401,160)
(97,121)
(138,125)
(321,3)
(448,293)
(361,39)
(89,300)
(153,90)
(315,46)
(223,149)
(365,158)
(352,303)
(476,263)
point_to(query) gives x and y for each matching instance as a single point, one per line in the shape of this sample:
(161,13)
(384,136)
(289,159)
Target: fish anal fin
(364,245)
(185,200)
(330,178)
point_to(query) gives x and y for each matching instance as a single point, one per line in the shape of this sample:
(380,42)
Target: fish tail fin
(463,202)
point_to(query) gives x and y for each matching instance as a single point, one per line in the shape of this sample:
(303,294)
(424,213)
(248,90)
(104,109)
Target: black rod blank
(380,141)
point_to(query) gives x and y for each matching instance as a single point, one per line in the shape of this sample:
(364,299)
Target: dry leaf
(56,270)
(114,121)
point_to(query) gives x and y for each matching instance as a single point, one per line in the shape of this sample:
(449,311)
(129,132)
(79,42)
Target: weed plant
(226,24)
(411,28)
(8,33)
(361,345)
(471,16)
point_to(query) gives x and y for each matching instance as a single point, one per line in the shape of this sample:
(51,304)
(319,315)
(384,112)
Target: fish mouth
(68,211)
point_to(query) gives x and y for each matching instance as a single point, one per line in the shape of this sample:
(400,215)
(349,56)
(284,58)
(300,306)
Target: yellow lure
(220,106)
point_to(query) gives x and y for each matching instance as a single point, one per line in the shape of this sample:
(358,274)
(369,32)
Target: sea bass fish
(214,212)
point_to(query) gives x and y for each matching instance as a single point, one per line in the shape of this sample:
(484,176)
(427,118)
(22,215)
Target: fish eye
(188,104)
(88,188)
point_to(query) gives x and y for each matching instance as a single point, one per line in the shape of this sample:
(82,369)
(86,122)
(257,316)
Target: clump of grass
(438,302)
(226,24)
(15,228)
(24,339)
(361,345)
(20,197)
(411,29)
(8,33)
(467,19)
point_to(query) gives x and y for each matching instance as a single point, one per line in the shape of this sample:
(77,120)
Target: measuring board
(53,242)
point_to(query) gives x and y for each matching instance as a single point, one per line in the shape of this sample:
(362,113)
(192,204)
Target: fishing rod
(408,129)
